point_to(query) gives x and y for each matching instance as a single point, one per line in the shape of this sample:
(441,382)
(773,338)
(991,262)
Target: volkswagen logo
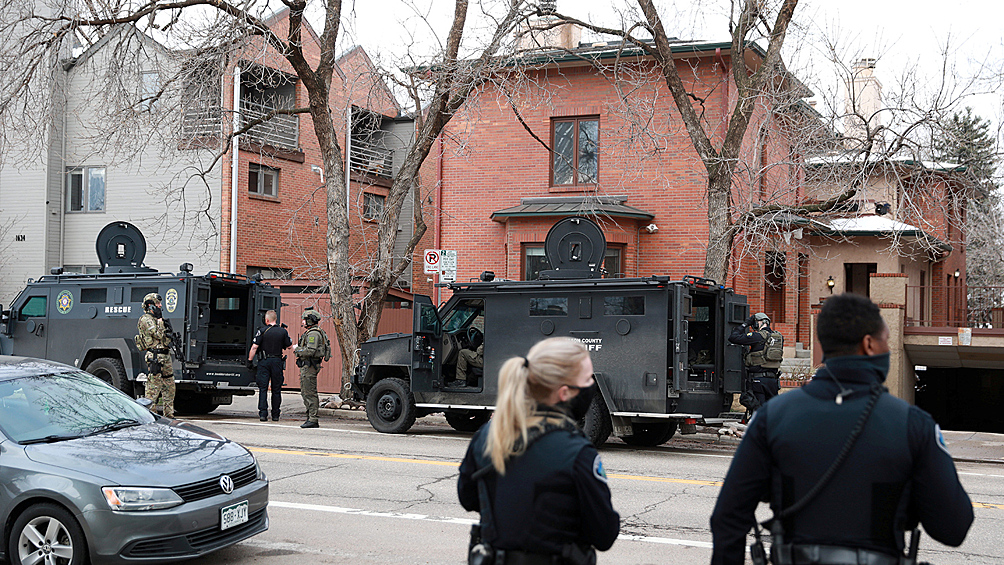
(227,484)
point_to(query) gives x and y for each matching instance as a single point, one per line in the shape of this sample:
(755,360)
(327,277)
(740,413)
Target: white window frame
(91,178)
(149,86)
(262,172)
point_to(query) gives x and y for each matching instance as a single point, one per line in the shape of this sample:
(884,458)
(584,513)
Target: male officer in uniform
(155,342)
(763,377)
(272,339)
(896,472)
(312,348)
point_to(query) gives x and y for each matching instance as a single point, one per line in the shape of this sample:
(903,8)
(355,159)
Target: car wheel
(596,425)
(46,534)
(390,406)
(112,372)
(468,420)
(650,434)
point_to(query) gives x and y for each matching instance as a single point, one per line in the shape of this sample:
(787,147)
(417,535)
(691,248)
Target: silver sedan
(87,474)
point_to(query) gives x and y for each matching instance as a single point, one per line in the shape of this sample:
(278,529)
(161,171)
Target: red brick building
(623,156)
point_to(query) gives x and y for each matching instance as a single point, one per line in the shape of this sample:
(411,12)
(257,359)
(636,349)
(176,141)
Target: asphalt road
(347,494)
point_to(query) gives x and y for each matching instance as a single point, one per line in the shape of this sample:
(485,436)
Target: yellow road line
(454,464)
(349,456)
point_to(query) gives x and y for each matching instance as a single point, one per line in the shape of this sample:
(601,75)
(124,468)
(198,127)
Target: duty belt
(517,557)
(830,555)
(162,351)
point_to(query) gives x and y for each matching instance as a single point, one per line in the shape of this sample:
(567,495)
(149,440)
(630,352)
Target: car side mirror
(143,401)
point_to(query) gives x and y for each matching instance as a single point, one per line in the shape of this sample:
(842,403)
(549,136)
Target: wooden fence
(329,379)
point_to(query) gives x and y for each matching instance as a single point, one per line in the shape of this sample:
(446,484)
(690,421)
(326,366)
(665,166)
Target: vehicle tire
(468,420)
(596,425)
(194,404)
(56,533)
(112,372)
(390,406)
(650,434)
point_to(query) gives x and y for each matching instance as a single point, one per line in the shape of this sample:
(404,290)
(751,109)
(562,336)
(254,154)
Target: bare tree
(202,37)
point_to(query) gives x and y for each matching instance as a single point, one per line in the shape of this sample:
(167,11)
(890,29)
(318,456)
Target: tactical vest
(771,355)
(860,503)
(324,352)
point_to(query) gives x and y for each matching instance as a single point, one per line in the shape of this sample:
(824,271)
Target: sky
(902,35)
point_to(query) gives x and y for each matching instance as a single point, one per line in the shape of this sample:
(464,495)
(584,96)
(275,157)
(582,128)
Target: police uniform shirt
(272,340)
(552,495)
(887,483)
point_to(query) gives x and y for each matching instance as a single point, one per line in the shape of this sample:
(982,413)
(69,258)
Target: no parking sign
(432,258)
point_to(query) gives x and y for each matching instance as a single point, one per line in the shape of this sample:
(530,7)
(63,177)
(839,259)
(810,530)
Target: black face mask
(155,311)
(579,405)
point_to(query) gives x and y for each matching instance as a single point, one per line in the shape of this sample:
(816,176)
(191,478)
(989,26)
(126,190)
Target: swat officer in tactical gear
(761,372)
(894,473)
(155,343)
(312,348)
(272,339)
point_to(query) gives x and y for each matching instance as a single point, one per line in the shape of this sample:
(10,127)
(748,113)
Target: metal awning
(612,206)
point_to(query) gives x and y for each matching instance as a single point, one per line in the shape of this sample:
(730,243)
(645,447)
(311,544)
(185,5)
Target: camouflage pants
(467,357)
(308,390)
(160,386)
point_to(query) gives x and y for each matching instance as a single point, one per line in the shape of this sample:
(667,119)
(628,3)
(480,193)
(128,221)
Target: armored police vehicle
(89,320)
(658,346)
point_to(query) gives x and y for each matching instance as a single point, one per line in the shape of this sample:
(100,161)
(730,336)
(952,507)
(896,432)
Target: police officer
(762,375)
(312,348)
(534,477)
(272,339)
(895,473)
(155,341)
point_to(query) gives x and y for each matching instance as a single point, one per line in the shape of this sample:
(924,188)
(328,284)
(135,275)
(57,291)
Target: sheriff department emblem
(64,301)
(172,300)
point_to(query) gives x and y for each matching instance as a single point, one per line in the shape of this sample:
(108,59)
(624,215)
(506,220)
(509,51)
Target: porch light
(957,273)
(830,283)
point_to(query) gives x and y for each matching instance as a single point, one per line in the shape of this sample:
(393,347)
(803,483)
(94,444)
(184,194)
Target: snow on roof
(870,224)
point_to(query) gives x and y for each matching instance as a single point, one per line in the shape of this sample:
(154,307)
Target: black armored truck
(658,346)
(89,320)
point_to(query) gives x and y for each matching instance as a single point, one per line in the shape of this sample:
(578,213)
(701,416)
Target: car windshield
(54,407)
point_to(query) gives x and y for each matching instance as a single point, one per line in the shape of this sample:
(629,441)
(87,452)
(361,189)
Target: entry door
(31,325)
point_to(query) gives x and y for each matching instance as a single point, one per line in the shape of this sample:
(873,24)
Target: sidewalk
(973,447)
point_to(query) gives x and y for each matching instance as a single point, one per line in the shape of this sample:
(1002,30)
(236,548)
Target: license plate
(233,515)
(223,399)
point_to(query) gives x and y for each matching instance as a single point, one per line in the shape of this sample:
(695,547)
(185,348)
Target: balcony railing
(202,122)
(281,131)
(369,159)
(955,306)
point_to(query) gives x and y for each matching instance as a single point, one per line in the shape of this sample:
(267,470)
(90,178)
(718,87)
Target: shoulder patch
(311,339)
(940,439)
(598,471)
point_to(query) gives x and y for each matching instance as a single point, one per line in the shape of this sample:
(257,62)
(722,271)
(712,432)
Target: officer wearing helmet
(762,358)
(312,348)
(155,343)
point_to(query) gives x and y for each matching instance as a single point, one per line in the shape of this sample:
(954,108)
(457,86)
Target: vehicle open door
(680,310)
(735,310)
(196,332)
(427,346)
(30,322)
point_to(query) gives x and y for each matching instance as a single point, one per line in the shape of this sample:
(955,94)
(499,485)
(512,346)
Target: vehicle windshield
(458,317)
(54,407)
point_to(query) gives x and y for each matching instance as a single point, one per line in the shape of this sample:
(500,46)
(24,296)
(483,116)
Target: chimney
(863,101)
(548,32)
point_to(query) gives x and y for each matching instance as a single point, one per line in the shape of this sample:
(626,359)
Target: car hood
(164,453)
